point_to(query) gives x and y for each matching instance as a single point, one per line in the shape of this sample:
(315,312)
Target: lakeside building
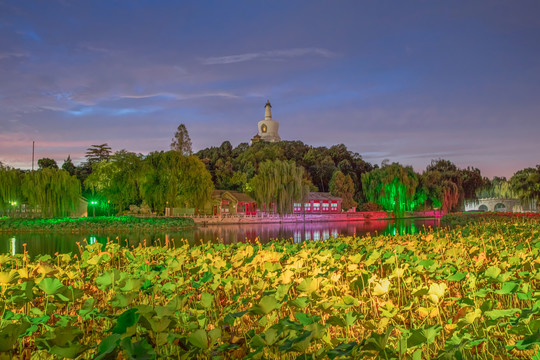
(319,203)
(228,202)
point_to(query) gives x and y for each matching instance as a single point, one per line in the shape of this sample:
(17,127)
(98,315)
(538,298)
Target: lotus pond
(51,242)
(467,292)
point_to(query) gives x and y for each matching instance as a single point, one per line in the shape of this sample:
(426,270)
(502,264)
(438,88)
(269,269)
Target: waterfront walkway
(288,218)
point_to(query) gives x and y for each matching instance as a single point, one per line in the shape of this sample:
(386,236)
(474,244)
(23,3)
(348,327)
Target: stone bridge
(499,205)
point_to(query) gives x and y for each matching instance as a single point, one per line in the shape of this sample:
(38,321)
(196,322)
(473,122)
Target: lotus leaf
(139,350)
(381,288)
(9,333)
(199,339)
(8,277)
(266,305)
(126,320)
(51,286)
(436,292)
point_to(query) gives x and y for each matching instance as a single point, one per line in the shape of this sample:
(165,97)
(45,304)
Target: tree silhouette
(97,153)
(181,141)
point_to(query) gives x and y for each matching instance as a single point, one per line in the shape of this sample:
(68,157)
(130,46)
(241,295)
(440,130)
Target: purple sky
(404,81)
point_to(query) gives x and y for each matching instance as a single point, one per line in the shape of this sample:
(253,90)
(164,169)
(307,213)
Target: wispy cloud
(8,55)
(171,95)
(86,111)
(270,55)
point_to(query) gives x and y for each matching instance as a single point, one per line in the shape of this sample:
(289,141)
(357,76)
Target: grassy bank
(468,292)
(101,223)
(465,218)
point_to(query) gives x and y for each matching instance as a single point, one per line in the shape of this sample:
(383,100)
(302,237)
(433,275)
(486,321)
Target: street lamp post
(93,203)
(13,204)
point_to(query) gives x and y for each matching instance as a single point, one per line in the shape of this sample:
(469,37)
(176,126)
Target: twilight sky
(407,81)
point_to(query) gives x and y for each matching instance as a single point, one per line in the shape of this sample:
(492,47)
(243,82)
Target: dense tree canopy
(279,173)
(117,179)
(442,184)
(232,168)
(499,188)
(45,163)
(173,180)
(342,185)
(446,186)
(526,183)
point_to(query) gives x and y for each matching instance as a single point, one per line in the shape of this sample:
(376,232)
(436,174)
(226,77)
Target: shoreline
(159,223)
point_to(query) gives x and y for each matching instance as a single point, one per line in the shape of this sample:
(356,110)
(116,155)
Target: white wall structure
(267,128)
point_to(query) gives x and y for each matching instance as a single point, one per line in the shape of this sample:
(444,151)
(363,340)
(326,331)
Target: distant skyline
(404,81)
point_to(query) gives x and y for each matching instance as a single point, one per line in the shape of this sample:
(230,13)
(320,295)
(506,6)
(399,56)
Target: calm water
(37,243)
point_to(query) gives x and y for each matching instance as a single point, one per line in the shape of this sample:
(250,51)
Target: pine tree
(69,166)
(97,153)
(181,141)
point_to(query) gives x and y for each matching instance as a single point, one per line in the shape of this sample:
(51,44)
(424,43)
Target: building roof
(239,196)
(322,196)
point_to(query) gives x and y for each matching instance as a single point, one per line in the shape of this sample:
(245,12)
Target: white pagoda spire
(268,111)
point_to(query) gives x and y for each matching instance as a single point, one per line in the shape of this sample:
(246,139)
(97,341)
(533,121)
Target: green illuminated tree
(393,187)
(342,185)
(181,141)
(281,183)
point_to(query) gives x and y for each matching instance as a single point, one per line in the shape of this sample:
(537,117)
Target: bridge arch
(500,207)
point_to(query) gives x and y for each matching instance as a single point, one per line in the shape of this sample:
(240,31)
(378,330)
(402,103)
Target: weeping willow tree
(393,187)
(499,188)
(442,183)
(526,184)
(281,183)
(170,179)
(53,191)
(10,188)
(450,195)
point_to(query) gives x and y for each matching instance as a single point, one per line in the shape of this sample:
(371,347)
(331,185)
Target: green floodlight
(13,203)
(93,202)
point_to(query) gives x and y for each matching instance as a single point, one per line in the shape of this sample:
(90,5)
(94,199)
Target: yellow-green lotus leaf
(436,292)
(381,288)
(4,259)
(286,277)
(45,269)
(8,277)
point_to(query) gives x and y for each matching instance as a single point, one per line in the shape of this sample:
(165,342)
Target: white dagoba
(268,128)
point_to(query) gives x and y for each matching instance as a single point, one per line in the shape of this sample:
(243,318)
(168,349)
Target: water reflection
(37,243)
